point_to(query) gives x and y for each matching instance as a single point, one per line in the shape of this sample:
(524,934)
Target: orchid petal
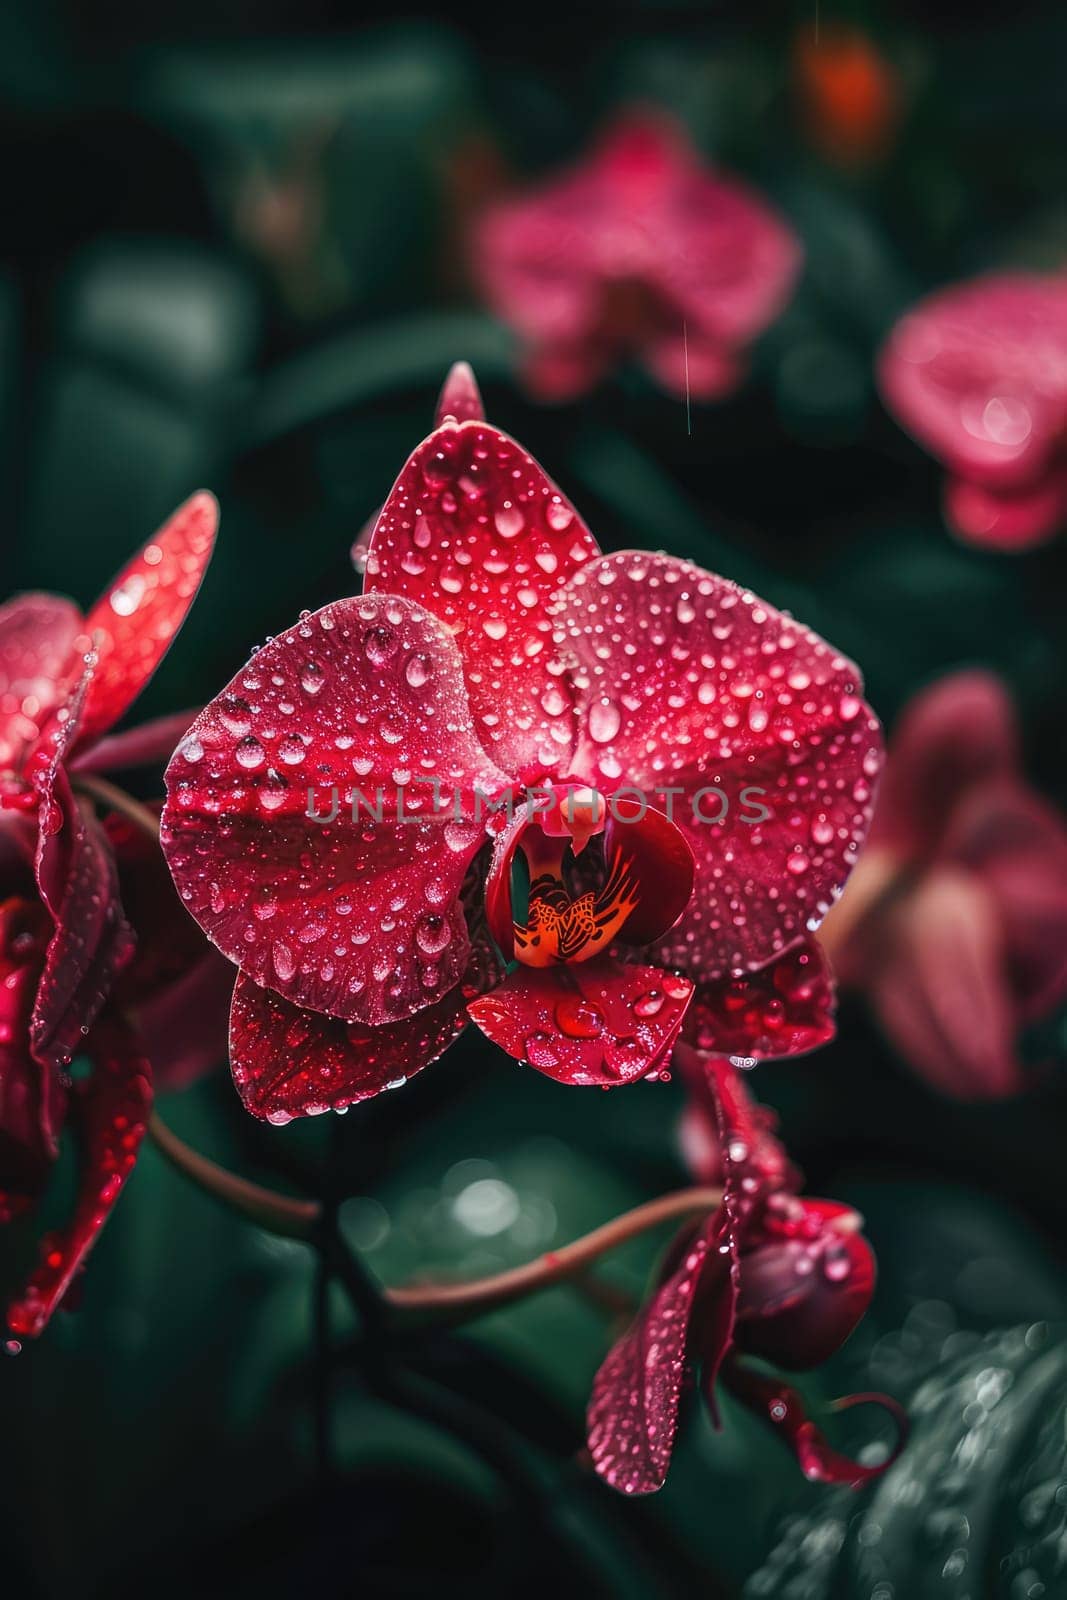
(971,373)
(780,1406)
(691,687)
(143,746)
(951,735)
(708,1081)
(288,1062)
(784,1009)
(460,398)
(112,1106)
(1015,519)
(476,532)
(628,248)
(32,1099)
(587,1023)
(1016,844)
(692,365)
(633,1413)
(562,371)
(183,1027)
(37,638)
(938,981)
(132,625)
(358,918)
(92,941)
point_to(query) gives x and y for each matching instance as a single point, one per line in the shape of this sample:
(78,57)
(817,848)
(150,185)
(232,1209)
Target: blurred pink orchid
(978,374)
(637,249)
(955,920)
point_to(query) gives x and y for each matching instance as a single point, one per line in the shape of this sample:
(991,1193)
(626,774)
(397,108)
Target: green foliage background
(159,1440)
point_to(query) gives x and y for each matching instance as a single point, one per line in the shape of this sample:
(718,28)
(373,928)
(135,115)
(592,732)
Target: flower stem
(458,1302)
(433,1303)
(278,1213)
(112,798)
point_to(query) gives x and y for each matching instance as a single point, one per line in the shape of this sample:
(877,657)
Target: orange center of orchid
(561,926)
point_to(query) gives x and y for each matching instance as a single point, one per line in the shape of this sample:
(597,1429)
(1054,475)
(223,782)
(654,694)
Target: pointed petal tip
(202,502)
(460,399)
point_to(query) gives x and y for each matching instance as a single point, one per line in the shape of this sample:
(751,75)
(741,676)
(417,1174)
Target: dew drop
(379,645)
(235,714)
(541,1050)
(432,934)
(418,670)
(579,1019)
(249,753)
(128,596)
(284,965)
(509,521)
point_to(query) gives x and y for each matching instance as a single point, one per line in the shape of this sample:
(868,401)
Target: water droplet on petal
(578,1018)
(417,670)
(604,720)
(249,753)
(509,521)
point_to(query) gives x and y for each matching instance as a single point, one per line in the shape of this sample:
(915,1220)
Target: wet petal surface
(591,1023)
(37,638)
(111,1107)
(477,533)
(748,725)
(32,1100)
(289,1062)
(632,1420)
(784,1009)
(359,706)
(132,625)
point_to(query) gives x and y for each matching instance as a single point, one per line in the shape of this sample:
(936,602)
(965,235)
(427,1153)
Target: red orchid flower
(956,925)
(768,1275)
(637,249)
(978,373)
(65,940)
(65,680)
(496,659)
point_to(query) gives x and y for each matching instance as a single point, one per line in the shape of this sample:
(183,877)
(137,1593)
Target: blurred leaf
(369,363)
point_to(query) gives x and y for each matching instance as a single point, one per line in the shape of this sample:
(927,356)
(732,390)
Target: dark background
(231,255)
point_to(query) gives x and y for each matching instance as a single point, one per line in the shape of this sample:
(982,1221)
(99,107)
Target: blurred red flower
(638,249)
(849,94)
(497,655)
(65,680)
(955,923)
(978,373)
(769,1274)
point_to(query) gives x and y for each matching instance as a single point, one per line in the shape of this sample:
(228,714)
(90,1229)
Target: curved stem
(428,1303)
(278,1213)
(112,798)
(457,1302)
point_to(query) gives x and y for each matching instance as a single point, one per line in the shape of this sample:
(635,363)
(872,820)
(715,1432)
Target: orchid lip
(640,847)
